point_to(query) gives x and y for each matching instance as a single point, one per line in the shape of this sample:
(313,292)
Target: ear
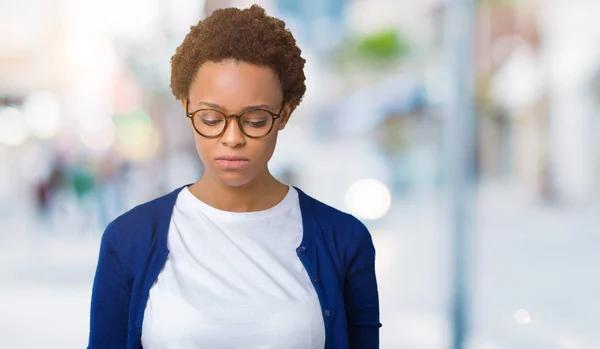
(285,115)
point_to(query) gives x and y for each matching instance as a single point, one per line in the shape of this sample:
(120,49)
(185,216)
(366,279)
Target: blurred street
(541,260)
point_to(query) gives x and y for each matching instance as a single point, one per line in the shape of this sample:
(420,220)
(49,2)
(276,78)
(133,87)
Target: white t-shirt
(233,280)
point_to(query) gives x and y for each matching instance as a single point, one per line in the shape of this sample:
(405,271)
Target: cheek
(268,147)
(202,146)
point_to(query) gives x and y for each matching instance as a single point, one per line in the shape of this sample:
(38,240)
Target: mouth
(232,162)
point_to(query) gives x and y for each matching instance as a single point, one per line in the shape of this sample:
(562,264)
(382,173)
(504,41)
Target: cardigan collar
(167,203)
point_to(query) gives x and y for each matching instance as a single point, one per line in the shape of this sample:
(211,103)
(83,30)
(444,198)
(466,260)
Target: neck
(260,194)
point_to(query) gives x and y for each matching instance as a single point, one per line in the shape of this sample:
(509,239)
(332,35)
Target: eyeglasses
(212,123)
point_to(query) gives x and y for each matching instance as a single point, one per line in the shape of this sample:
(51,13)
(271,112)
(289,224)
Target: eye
(211,122)
(209,117)
(259,123)
(257,119)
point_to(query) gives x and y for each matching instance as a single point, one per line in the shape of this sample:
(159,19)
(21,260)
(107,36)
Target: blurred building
(533,110)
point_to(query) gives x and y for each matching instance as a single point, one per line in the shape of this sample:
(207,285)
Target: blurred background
(508,234)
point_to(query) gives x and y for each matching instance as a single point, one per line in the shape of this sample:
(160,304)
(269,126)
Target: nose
(232,136)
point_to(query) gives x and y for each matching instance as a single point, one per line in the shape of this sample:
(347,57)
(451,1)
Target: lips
(232,162)
(232,158)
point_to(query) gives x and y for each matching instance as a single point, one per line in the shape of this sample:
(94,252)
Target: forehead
(235,84)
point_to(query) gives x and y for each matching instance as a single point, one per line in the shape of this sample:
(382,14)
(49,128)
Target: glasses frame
(275,116)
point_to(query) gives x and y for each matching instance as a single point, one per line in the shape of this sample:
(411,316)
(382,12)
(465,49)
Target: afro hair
(247,35)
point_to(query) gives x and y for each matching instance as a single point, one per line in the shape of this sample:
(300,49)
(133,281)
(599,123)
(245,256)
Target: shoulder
(143,214)
(136,227)
(149,212)
(342,224)
(345,237)
(140,215)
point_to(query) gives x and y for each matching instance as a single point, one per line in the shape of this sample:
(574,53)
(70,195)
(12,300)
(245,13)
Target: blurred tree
(380,50)
(383,45)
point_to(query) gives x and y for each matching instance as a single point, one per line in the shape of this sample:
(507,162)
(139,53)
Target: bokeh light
(13,128)
(136,137)
(522,317)
(368,199)
(98,139)
(43,114)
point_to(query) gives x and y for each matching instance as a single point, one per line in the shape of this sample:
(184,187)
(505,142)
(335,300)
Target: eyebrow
(216,106)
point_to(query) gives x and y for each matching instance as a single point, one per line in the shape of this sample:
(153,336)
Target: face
(231,87)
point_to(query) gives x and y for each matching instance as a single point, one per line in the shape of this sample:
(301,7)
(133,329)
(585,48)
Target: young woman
(236,259)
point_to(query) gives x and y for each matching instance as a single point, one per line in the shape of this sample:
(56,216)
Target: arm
(110,297)
(360,292)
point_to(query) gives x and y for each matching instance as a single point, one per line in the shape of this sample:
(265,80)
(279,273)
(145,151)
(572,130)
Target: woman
(237,259)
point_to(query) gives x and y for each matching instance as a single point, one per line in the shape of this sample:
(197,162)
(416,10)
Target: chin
(234,178)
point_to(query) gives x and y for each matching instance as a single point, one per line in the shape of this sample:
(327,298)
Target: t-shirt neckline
(188,199)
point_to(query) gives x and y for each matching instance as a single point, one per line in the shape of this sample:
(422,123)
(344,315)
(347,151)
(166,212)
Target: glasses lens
(256,123)
(209,122)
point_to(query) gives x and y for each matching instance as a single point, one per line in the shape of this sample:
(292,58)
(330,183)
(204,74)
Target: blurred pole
(459,128)
(4,181)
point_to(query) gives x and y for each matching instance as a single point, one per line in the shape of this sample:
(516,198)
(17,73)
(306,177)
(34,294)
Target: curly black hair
(247,35)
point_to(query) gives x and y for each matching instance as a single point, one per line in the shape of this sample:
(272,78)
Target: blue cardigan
(336,250)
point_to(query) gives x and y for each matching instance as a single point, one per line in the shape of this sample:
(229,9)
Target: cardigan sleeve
(360,291)
(110,296)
